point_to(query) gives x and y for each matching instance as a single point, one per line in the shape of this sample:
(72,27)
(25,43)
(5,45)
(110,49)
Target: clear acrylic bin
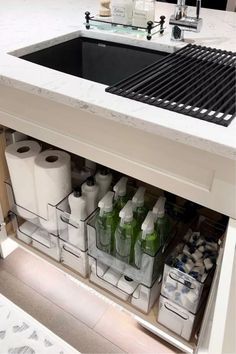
(49,224)
(123,287)
(73,258)
(150,269)
(36,237)
(71,231)
(183,288)
(178,319)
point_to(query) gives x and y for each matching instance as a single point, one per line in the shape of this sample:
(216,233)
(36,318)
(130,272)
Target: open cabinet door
(218,333)
(5,228)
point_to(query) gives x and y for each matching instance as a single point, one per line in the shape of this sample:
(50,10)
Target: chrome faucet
(180,22)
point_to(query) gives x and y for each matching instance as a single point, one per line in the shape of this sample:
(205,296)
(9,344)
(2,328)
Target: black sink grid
(196,81)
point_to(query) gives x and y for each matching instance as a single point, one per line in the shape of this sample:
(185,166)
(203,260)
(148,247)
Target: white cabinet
(192,182)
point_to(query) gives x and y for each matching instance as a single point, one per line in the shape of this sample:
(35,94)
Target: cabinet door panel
(215,323)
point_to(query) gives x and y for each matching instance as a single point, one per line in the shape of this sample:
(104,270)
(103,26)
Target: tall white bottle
(103,178)
(90,192)
(78,213)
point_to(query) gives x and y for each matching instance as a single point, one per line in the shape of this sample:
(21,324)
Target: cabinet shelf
(147,321)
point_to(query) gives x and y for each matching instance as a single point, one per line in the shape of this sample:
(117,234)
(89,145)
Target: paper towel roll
(53,183)
(20,159)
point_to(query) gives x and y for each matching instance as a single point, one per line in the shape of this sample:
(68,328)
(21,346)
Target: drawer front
(213,335)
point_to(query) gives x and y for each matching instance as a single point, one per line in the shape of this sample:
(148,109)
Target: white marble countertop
(27,25)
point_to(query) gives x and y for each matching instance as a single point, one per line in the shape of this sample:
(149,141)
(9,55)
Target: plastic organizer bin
(151,267)
(38,238)
(36,231)
(70,230)
(189,290)
(73,258)
(123,287)
(72,239)
(178,319)
(49,224)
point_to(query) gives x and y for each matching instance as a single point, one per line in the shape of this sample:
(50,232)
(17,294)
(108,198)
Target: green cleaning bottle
(151,241)
(139,209)
(120,190)
(162,222)
(125,234)
(106,223)
(147,241)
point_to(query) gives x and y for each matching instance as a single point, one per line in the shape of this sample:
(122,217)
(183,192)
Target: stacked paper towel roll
(53,183)
(20,159)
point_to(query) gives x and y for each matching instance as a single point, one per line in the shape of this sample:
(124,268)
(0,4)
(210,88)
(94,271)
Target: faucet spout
(180,22)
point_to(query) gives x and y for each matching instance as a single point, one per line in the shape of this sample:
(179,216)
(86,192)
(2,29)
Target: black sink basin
(95,60)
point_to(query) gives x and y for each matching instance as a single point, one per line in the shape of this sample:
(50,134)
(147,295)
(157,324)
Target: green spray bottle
(162,222)
(120,197)
(125,234)
(147,241)
(139,208)
(151,241)
(106,223)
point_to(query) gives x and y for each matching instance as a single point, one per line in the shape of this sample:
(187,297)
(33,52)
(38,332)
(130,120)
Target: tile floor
(84,320)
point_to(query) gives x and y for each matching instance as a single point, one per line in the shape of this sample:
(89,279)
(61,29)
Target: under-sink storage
(135,289)
(138,295)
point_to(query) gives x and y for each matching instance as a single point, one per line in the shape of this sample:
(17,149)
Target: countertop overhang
(26,27)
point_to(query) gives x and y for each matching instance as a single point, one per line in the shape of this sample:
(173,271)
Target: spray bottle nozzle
(106,203)
(77,192)
(138,198)
(90,181)
(126,214)
(148,224)
(159,208)
(120,187)
(104,171)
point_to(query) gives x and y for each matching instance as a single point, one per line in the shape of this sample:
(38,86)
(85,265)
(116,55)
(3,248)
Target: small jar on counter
(143,11)
(122,11)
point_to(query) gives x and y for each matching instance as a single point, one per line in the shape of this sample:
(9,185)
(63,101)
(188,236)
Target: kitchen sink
(96,60)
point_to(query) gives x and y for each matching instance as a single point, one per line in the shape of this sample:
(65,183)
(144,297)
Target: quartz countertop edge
(91,97)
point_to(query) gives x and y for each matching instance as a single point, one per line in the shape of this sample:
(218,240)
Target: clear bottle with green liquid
(162,222)
(125,234)
(139,208)
(106,223)
(148,241)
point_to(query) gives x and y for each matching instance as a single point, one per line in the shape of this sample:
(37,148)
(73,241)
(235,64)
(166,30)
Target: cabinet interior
(147,320)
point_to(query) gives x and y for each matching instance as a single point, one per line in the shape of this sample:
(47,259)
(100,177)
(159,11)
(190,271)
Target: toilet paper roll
(53,183)
(20,159)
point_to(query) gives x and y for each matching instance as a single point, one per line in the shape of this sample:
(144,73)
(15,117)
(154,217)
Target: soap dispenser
(125,234)
(106,223)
